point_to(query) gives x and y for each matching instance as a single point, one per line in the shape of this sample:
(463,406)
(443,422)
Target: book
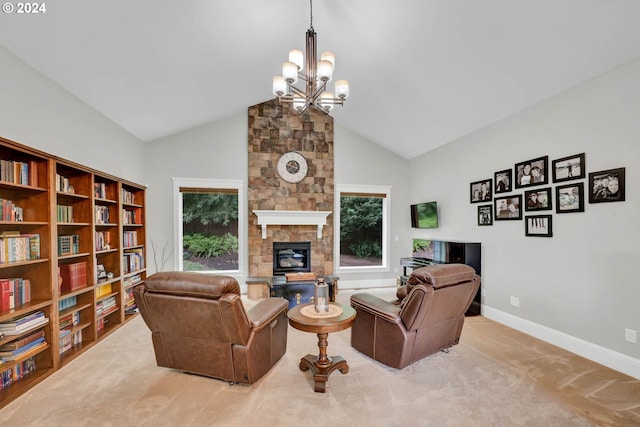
(32,350)
(18,351)
(22,341)
(5,295)
(17,330)
(74,276)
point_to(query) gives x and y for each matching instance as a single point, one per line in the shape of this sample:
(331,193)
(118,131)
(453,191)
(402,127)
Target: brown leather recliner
(199,325)
(427,320)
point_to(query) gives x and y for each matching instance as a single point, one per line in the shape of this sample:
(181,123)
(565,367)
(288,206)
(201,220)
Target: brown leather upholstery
(199,325)
(428,319)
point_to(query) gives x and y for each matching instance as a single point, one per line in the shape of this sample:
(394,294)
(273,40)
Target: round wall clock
(292,167)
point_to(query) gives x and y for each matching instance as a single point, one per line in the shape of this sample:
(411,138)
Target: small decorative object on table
(321,296)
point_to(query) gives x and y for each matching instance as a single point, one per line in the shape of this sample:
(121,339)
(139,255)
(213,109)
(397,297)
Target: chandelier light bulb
(326,101)
(279,86)
(325,70)
(297,58)
(299,102)
(290,72)
(342,89)
(328,56)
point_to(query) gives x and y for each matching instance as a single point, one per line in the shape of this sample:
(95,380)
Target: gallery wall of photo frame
(535,200)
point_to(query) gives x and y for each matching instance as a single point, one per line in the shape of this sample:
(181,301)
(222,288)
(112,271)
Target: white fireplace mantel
(317,218)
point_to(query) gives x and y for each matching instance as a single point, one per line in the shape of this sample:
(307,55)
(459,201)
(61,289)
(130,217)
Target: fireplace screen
(291,257)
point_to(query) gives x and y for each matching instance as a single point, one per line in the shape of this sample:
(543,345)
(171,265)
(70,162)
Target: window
(209,224)
(362,217)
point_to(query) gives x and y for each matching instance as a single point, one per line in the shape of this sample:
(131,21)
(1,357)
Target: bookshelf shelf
(22,263)
(55,202)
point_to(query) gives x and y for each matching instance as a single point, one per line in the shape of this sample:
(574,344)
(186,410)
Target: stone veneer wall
(274,129)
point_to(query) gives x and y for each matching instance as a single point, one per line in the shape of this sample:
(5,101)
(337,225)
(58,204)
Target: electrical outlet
(515,301)
(630,335)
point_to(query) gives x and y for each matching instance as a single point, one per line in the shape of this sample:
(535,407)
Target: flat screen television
(424,215)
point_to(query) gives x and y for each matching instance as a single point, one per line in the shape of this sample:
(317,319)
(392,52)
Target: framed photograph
(570,198)
(503,181)
(606,186)
(538,226)
(485,215)
(481,191)
(532,172)
(537,200)
(568,168)
(101,273)
(508,207)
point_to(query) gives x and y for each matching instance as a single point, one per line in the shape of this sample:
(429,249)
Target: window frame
(386,218)
(209,184)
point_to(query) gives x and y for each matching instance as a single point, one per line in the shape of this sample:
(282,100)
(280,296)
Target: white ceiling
(422,72)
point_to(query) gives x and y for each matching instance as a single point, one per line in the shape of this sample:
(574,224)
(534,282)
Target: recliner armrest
(266,311)
(376,306)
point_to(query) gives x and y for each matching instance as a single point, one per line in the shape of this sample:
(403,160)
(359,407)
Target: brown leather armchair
(427,320)
(199,325)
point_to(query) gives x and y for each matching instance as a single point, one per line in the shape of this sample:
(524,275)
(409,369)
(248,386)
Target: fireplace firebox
(291,257)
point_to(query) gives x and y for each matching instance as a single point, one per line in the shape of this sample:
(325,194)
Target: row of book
(14,292)
(130,306)
(17,372)
(11,212)
(65,303)
(19,172)
(102,214)
(68,244)
(99,190)
(29,344)
(130,238)
(103,240)
(106,306)
(64,213)
(128,197)
(133,260)
(63,184)
(69,337)
(74,276)
(21,324)
(132,216)
(16,247)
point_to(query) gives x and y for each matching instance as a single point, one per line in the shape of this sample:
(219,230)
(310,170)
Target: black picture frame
(601,188)
(538,199)
(524,172)
(569,168)
(503,181)
(538,226)
(508,207)
(476,194)
(570,198)
(101,273)
(485,215)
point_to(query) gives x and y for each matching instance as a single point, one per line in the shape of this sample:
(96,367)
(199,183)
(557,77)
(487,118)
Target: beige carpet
(495,377)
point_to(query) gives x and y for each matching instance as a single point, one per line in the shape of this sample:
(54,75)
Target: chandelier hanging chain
(316,75)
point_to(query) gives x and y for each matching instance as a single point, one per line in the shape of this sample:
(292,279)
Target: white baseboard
(604,356)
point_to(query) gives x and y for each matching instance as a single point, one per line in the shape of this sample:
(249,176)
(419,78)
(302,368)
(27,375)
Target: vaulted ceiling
(422,72)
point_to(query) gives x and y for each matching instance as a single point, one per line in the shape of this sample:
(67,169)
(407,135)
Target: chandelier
(316,76)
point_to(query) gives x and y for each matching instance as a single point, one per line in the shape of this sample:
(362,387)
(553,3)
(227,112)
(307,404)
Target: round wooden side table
(322,365)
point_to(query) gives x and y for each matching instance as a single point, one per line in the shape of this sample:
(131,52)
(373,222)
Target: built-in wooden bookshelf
(72,245)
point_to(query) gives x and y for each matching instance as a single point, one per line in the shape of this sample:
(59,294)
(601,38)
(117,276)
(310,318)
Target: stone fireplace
(275,129)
